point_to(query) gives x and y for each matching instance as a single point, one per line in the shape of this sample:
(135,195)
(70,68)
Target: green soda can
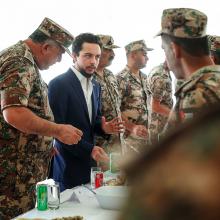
(41,197)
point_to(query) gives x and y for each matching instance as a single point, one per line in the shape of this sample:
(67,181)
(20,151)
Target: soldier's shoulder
(209,75)
(109,74)
(158,71)
(18,51)
(123,73)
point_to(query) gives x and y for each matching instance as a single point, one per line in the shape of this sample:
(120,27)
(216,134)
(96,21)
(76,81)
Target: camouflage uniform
(214,43)
(214,46)
(202,88)
(199,92)
(110,100)
(178,83)
(133,93)
(160,86)
(180,178)
(24,158)
(183,23)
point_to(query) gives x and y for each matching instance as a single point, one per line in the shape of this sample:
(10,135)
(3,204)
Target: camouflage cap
(107,41)
(183,22)
(57,33)
(214,43)
(137,45)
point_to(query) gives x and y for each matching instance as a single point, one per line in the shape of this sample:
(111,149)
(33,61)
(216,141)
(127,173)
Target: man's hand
(26,121)
(99,155)
(68,134)
(114,126)
(139,130)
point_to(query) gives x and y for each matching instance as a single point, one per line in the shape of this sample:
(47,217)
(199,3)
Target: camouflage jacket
(133,92)
(183,171)
(110,100)
(200,91)
(160,87)
(24,158)
(110,96)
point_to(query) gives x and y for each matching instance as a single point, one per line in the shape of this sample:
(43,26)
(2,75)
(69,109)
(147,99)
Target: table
(76,201)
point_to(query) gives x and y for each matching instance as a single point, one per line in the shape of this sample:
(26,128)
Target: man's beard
(85,74)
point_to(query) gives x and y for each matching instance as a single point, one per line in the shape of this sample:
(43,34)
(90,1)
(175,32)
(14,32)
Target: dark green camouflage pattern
(160,89)
(214,43)
(24,158)
(56,32)
(183,22)
(133,92)
(200,91)
(137,45)
(110,100)
(107,41)
(179,179)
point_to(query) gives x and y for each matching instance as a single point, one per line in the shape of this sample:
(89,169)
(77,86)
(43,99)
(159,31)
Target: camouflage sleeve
(117,89)
(201,96)
(158,87)
(16,82)
(121,88)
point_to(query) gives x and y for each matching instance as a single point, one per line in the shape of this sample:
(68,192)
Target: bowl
(111,197)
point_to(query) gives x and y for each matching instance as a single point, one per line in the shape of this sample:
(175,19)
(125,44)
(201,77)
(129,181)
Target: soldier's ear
(44,47)
(176,50)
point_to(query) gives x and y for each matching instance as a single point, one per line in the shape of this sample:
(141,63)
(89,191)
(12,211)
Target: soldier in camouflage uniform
(26,120)
(179,179)
(110,95)
(178,83)
(185,44)
(160,99)
(133,91)
(214,46)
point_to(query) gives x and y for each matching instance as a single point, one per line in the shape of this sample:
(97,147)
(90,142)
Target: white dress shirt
(87,87)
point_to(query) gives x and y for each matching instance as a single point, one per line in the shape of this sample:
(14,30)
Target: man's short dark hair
(38,37)
(194,46)
(84,38)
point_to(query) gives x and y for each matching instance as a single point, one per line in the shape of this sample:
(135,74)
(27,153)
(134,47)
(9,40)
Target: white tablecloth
(76,201)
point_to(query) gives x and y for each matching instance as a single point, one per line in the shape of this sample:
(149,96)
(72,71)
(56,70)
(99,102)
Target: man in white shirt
(75,99)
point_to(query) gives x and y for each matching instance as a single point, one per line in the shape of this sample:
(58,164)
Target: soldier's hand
(114,126)
(140,131)
(68,134)
(99,155)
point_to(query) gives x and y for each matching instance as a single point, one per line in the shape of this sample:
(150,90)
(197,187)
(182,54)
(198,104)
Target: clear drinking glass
(94,170)
(115,159)
(53,196)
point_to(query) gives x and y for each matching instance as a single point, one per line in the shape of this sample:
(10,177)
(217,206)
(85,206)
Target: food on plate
(118,181)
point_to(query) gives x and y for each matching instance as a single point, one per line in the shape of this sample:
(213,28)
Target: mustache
(91,66)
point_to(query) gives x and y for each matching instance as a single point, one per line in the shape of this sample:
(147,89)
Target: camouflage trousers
(17,189)
(11,206)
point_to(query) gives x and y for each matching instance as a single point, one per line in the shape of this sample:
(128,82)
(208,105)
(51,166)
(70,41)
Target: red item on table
(99,179)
